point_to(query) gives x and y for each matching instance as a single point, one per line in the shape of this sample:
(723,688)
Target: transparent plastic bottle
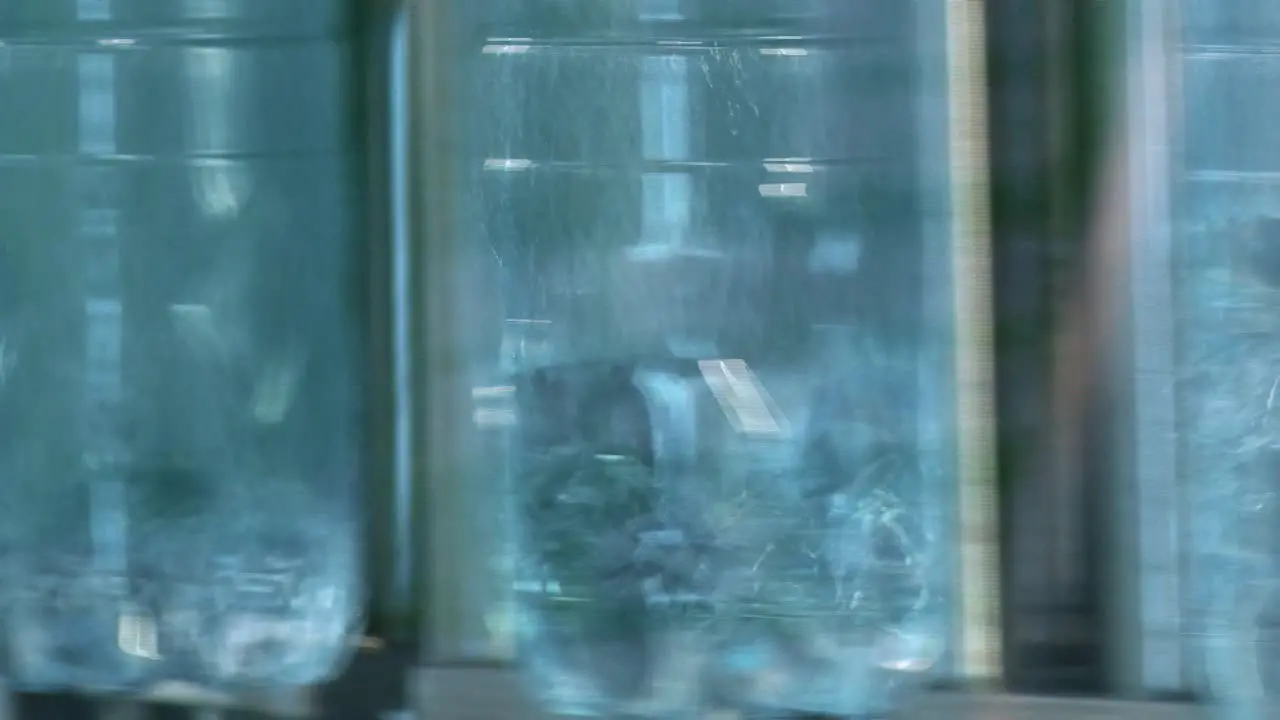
(180,394)
(1227,295)
(730,482)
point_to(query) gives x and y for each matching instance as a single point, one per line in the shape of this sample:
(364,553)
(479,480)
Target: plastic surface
(180,388)
(1227,292)
(731,468)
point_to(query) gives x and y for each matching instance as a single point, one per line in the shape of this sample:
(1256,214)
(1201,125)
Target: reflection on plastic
(178,377)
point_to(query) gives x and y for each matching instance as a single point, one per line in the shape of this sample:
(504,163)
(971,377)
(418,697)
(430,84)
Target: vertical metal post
(436,411)
(447,318)
(978,650)
(390,497)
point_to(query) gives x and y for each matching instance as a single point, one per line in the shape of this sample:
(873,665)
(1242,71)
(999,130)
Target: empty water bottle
(732,475)
(179,400)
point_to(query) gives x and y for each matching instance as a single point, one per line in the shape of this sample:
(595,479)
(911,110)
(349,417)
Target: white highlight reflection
(745,402)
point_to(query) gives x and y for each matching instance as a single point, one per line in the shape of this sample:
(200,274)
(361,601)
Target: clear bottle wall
(179,387)
(1227,295)
(730,475)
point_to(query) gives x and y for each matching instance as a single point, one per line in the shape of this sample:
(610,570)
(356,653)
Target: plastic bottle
(179,408)
(680,196)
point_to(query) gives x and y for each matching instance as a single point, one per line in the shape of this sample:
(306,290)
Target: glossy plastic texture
(731,471)
(180,340)
(1227,295)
